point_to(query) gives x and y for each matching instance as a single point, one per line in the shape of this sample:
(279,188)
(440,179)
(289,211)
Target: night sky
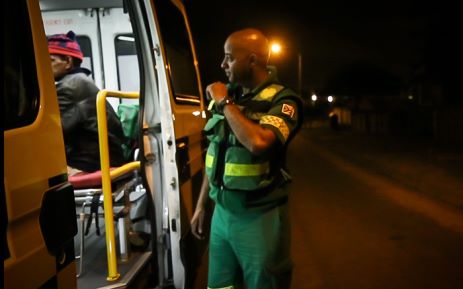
(380,42)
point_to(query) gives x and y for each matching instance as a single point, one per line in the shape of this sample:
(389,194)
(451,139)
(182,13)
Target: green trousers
(252,247)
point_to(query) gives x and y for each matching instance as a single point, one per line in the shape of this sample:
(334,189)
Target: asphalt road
(353,229)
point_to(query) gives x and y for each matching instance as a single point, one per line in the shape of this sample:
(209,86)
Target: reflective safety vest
(228,163)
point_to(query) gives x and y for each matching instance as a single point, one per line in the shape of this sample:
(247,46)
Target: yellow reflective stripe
(277,122)
(228,287)
(209,161)
(211,104)
(242,170)
(269,92)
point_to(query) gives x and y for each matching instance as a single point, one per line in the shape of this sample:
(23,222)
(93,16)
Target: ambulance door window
(179,53)
(86,47)
(21,90)
(127,64)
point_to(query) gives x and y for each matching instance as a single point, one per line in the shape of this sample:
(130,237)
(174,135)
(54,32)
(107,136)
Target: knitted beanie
(64,44)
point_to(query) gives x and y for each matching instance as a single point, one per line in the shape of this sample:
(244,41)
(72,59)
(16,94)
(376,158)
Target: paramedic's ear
(208,96)
(253,59)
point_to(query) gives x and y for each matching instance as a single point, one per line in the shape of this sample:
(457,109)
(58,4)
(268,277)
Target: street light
(276,48)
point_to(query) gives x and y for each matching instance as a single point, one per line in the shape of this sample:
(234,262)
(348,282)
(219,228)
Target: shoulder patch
(288,109)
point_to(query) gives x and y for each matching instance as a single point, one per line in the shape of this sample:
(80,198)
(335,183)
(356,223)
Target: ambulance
(125,227)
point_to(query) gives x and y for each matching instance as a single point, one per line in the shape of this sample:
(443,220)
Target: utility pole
(299,73)
(276,49)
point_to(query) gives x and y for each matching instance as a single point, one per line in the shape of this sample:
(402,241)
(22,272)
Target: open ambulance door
(38,210)
(173,144)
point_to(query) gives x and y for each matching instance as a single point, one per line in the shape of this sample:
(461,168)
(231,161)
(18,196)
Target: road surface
(353,229)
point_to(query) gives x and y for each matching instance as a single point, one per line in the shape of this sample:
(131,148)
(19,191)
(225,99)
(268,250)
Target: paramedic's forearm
(253,136)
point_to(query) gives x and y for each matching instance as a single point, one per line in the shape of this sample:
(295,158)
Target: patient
(77,102)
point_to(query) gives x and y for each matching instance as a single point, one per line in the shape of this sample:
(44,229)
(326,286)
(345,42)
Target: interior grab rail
(106,175)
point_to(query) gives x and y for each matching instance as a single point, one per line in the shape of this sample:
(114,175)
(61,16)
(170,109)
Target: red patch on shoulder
(288,109)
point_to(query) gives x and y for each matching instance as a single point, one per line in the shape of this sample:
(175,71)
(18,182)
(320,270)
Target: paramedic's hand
(217,91)
(197,223)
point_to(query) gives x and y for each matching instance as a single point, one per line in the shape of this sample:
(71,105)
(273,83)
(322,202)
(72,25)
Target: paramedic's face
(60,65)
(236,63)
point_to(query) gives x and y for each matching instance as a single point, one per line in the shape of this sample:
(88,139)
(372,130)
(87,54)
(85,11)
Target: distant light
(276,48)
(196,112)
(314,97)
(126,38)
(410,97)
(330,98)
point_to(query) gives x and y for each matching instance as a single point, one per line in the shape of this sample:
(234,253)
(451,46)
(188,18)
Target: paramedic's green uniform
(250,232)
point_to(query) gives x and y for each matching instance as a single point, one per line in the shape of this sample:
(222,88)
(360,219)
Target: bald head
(251,40)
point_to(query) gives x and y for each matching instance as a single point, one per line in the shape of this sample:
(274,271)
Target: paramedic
(253,120)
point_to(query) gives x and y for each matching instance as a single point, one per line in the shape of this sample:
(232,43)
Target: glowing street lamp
(276,48)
